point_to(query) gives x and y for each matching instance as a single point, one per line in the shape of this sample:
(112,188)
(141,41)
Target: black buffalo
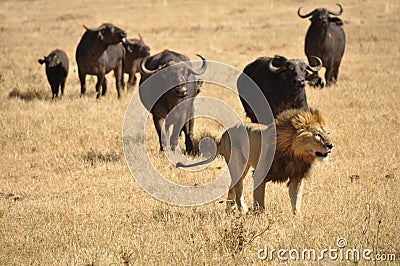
(57,65)
(136,50)
(182,84)
(326,39)
(100,51)
(282,82)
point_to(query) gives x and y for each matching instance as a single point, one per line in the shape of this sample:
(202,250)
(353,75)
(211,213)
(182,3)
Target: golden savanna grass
(67,196)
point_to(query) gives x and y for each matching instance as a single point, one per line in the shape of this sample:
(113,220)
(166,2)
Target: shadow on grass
(29,95)
(93,157)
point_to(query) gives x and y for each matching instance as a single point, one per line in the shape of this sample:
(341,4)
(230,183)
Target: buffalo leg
(119,80)
(83,83)
(62,87)
(188,130)
(329,75)
(54,89)
(160,128)
(335,74)
(336,71)
(132,78)
(104,87)
(174,136)
(122,82)
(99,83)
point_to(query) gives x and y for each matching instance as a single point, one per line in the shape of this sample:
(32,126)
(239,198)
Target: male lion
(301,138)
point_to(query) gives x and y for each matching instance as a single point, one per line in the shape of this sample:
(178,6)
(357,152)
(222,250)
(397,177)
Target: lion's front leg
(295,193)
(259,197)
(241,204)
(235,195)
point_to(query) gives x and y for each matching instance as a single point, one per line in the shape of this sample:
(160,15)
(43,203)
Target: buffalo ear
(335,20)
(41,61)
(172,62)
(200,82)
(278,61)
(101,34)
(133,47)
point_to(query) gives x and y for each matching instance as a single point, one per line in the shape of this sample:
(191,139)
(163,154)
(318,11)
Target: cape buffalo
(326,39)
(100,51)
(135,50)
(182,86)
(57,65)
(282,81)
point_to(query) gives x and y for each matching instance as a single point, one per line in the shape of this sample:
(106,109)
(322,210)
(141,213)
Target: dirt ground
(68,198)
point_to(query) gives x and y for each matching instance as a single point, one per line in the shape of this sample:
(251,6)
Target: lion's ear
(321,119)
(316,116)
(299,122)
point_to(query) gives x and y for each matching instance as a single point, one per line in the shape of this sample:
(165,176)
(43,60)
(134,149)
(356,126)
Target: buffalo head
(52,60)
(137,47)
(295,72)
(322,15)
(108,33)
(179,73)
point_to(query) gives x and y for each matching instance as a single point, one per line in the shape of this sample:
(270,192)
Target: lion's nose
(330,146)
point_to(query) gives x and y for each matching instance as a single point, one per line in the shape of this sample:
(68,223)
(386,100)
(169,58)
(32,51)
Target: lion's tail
(208,160)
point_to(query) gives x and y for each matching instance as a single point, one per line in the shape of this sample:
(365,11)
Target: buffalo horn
(274,69)
(317,67)
(337,13)
(128,41)
(143,67)
(304,16)
(202,69)
(101,27)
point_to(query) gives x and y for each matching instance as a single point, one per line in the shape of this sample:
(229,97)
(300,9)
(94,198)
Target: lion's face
(312,139)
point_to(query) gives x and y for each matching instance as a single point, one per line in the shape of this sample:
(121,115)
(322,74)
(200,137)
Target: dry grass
(67,197)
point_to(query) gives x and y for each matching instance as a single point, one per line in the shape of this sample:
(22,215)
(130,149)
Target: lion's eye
(319,137)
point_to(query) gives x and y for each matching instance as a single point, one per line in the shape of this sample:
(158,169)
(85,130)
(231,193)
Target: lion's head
(302,134)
